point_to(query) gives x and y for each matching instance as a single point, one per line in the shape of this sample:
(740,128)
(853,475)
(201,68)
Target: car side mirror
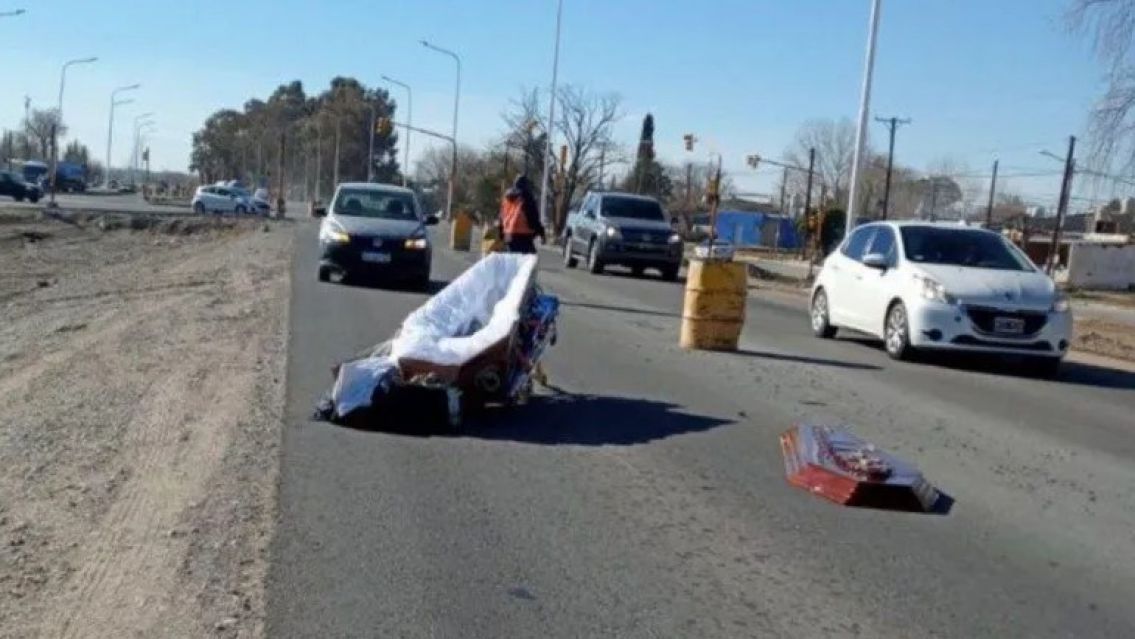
(431,220)
(876,260)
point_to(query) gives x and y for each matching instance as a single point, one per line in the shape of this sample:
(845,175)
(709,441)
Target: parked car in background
(943,287)
(14,186)
(375,229)
(221,199)
(624,230)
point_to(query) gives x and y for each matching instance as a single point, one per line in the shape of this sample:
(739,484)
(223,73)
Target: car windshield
(378,204)
(960,247)
(632,208)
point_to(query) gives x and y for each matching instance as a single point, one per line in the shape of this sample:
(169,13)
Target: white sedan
(920,285)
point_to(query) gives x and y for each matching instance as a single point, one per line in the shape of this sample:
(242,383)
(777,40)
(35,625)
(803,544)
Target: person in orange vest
(520,218)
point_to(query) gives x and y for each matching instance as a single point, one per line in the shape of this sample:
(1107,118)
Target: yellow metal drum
(714,310)
(460,232)
(491,241)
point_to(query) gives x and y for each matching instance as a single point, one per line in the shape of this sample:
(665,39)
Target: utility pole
(783,187)
(992,192)
(318,159)
(370,146)
(335,169)
(690,187)
(808,189)
(892,124)
(549,134)
(280,199)
(1062,206)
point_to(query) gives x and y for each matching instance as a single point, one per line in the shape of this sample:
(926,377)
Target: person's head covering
(521,183)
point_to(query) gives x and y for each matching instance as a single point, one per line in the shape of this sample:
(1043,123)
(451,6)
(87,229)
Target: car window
(856,245)
(884,244)
(632,208)
(387,205)
(961,247)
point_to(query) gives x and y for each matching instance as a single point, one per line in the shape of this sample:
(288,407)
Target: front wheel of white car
(896,333)
(821,324)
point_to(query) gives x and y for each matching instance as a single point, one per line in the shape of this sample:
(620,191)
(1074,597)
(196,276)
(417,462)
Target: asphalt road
(647,498)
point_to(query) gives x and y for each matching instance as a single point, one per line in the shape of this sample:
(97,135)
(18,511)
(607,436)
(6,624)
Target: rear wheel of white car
(821,325)
(896,333)
(570,260)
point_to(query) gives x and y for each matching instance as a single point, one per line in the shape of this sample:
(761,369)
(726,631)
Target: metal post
(318,160)
(370,148)
(864,110)
(335,167)
(409,124)
(992,192)
(1062,205)
(456,106)
(549,133)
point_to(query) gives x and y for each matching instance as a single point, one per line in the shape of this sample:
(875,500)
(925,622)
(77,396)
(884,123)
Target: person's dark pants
(520,243)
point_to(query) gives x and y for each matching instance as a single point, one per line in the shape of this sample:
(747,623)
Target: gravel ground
(142,366)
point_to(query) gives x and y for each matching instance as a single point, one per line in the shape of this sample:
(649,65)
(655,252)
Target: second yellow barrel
(460,231)
(491,241)
(714,310)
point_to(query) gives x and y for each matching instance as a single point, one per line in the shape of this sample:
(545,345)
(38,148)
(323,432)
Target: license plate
(1008,325)
(376,258)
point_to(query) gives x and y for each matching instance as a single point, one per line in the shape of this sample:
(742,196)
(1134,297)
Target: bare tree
(39,125)
(524,134)
(1111,25)
(834,141)
(585,122)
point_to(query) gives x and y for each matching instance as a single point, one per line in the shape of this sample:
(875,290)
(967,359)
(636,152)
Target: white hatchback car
(221,199)
(921,285)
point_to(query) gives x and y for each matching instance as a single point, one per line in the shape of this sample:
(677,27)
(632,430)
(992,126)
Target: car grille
(638,236)
(968,340)
(983,320)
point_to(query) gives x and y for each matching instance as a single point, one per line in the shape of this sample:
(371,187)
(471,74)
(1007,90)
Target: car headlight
(335,235)
(930,289)
(416,243)
(1060,304)
(675,238)
(613,233)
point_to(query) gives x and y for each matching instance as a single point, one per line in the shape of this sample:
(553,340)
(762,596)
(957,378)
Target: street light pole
(456,107)
(110,126)
(409,123)
(864,110)
(551,128)
(59,120)
(138,126)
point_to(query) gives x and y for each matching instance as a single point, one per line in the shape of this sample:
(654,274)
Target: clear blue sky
(980,78)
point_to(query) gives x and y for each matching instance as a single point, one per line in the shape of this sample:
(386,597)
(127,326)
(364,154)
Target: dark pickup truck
(622,229)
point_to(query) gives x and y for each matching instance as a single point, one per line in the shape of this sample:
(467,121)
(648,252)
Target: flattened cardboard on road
(835,464)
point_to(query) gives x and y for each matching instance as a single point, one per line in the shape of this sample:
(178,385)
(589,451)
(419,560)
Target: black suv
(625,230)
(14,186)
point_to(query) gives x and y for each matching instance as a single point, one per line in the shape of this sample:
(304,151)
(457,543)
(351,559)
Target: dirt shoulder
(142,366)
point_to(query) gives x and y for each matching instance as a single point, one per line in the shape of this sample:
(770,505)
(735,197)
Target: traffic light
(753,161)
(689,139)
(146,154)
(384,126)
